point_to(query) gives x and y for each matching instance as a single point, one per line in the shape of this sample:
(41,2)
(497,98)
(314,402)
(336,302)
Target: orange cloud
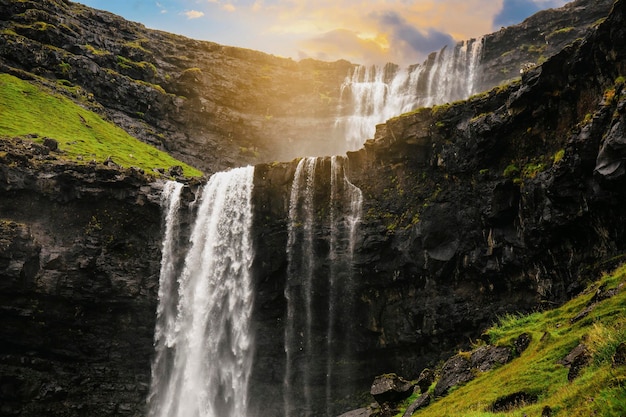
(377,31)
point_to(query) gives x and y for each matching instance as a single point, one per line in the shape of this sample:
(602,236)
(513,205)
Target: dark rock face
(79,267)
(474,209)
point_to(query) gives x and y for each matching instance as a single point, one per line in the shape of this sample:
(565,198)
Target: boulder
(390,388)
(457,370)
(486,358)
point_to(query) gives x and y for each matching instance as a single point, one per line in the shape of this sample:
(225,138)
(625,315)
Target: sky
(363,32)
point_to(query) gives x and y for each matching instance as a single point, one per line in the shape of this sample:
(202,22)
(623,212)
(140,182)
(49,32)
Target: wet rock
(390,388)
(51,144)
(521,343)
(425,380)
(361,412)
(576,360)
(421,402)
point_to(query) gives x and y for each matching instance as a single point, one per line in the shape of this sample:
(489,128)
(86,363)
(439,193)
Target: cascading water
(319,287)
(203,340)
(372,95)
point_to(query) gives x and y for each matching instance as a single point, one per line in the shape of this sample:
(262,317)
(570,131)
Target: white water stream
(371,95)
(319,303)
(203,340)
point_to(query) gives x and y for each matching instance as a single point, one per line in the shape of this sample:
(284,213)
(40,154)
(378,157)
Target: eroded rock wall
(79,269)
(505,203)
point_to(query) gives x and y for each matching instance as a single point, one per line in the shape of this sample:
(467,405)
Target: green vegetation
(26,109)
(97,52)
(137,45)
(144,66)
(531,169)
(510,171)
(558,156)
(599,389)
(561,31)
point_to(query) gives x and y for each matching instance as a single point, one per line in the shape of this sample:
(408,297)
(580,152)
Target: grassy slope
(27,109)
(600,390)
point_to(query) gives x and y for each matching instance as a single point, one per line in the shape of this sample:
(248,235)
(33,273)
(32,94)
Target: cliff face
(507,202)
(209,105)
(214,106)
(79,262)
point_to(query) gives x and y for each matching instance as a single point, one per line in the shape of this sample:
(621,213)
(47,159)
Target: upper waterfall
(374,94)
(203,339)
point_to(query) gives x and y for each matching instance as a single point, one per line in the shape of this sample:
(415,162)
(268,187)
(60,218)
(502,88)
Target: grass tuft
(599,390)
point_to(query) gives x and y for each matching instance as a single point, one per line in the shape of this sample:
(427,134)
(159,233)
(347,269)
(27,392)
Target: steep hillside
(214,106)
(569,361)
(74,133)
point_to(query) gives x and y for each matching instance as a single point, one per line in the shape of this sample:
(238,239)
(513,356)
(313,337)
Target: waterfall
(345,214)
(319,287)
(203,339)
(372,95)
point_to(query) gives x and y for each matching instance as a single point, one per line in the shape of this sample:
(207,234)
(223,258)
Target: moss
(65,68)
(97,52)
(510,171)
(28,109)
(558,156)
(561,31)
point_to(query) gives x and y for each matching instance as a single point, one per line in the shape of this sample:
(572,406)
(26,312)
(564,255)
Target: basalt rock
(79,268)
(474,209)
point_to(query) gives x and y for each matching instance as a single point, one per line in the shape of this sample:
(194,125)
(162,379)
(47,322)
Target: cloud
(379,31)
(229,7)
(342,43)
(407,39)
(161,8)
(193,14)
(515,11)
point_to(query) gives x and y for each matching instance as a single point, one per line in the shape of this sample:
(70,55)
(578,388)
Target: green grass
(27,109)
(600,390)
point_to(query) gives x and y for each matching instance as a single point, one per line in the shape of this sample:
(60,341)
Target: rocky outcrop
(79,267)
(509,50)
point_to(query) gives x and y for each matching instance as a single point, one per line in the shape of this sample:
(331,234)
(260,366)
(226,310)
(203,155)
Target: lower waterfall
(203,341)
(319,288)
